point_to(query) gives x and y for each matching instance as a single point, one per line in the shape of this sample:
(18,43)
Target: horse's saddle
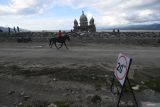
(59,39)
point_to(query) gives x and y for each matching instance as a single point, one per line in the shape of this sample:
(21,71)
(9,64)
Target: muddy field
(32,74)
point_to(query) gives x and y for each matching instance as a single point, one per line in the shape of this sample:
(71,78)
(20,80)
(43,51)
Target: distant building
(84,24)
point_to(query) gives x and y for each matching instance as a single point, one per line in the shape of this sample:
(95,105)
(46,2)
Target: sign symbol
(122,67)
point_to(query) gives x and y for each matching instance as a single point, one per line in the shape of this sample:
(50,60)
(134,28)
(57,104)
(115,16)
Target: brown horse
(61,40)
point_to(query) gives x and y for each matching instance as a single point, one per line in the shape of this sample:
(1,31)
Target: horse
(61,40)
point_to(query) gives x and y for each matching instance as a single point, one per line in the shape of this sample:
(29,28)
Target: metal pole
(120,94)
(132,92)
(124,83)
(112,84)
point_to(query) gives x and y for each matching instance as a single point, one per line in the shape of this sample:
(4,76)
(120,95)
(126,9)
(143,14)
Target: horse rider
(59,35)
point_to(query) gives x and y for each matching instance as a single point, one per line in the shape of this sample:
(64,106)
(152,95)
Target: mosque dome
(75,23)
(91,21)
(83,19)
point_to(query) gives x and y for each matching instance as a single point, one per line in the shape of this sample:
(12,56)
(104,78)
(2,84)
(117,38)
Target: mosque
(84,24)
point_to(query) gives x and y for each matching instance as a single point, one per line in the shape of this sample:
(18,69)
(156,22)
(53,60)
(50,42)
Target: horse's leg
(56,45)
(60,46)
(66,45)
(52,44)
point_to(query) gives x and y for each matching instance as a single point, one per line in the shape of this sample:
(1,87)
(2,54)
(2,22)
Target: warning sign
(121,69)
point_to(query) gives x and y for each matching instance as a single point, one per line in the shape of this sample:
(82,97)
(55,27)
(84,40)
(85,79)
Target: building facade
(84,26)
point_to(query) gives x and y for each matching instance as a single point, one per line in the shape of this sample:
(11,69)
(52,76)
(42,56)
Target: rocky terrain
(34,75)
(139,38)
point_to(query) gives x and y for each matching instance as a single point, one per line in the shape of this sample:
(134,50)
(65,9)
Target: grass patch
(85,74)
(37,103)
(62,104)
(41,103)
(153,84)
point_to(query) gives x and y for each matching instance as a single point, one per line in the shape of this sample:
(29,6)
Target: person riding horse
(61,38)
(59,35)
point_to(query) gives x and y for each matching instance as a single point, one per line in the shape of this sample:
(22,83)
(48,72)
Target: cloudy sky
(60,14)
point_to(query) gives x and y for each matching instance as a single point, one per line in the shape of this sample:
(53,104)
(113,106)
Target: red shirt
(59,34)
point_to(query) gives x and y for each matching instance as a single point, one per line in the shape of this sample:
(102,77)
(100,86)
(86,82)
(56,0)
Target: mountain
(155,26)
(142,27)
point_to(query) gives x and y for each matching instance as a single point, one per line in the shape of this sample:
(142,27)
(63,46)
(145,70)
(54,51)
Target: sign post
(121,72)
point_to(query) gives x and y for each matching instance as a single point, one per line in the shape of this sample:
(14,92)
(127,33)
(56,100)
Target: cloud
(24,7)
(33,23)
(120,12)
(105,12)
(144,16)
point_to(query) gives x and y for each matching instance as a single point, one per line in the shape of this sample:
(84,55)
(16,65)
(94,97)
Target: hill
(133,27)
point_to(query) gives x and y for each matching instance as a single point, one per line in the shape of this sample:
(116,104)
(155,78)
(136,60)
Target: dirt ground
(33,73)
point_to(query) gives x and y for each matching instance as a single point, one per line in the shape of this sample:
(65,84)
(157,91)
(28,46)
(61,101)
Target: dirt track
(51,75)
